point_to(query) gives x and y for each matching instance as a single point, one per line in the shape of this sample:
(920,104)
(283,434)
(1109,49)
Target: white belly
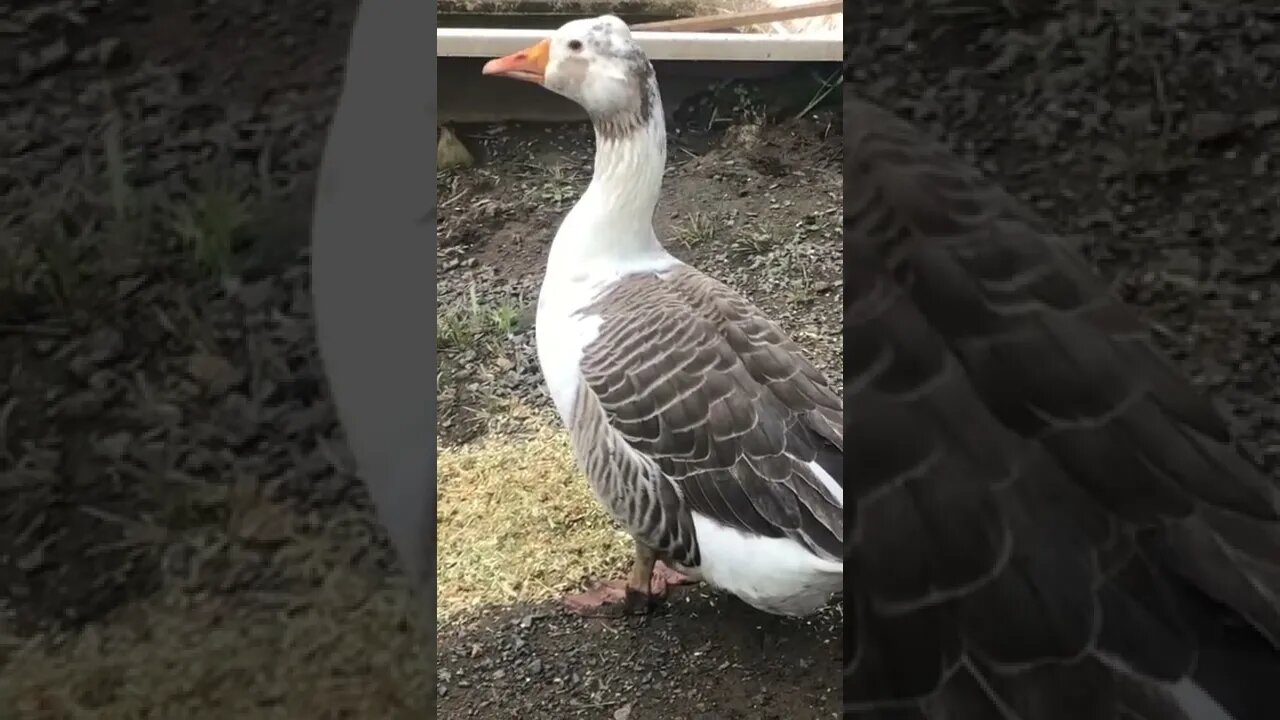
(775,575)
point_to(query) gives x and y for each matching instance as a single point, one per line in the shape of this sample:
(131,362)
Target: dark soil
(1147,130)
(131,375)
(704,657)
(177,515)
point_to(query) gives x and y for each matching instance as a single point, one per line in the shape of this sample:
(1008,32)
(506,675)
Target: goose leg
(642,591)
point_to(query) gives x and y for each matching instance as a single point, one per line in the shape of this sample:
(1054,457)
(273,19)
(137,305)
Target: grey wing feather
(1039,499)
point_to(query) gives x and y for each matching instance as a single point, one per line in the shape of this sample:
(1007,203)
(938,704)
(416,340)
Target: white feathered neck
(612,223)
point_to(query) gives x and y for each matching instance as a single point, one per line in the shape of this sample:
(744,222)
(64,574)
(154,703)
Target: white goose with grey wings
(701,427)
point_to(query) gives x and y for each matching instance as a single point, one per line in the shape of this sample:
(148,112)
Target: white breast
(561,334)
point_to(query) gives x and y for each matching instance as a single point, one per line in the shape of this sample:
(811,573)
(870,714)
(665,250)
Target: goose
(1047,521)
(700,426)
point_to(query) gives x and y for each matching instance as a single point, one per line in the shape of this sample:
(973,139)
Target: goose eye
(575,45)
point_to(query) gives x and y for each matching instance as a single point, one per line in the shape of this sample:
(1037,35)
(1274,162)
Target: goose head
(598,65)
(593,62)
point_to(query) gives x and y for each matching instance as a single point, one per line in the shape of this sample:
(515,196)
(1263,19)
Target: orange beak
(529,64)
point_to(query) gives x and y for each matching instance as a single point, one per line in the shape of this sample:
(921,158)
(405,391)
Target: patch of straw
(517,522)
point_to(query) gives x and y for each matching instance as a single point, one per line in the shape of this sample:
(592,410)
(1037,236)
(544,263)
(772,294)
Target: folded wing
(1046,520)
(712,410)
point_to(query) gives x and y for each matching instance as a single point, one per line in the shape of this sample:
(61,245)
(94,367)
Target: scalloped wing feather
(1047,521)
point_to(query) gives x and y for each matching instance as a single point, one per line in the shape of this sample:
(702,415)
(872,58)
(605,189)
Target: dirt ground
(179,532)
(1147,130)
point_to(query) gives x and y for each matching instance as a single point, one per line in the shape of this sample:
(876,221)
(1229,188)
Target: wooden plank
(747,47)
(464,96)
(728,21)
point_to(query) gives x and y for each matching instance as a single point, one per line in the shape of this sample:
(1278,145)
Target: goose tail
(1237,675)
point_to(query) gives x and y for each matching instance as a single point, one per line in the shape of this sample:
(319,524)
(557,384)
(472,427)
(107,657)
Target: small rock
(450,152)
(1210,125)
(214,372)
(1134,119)
(622,713)
(114,446)
(81,405)
(105,345)
(113,53)
(33,560)
(746,136)
(1265,118)
(49,58)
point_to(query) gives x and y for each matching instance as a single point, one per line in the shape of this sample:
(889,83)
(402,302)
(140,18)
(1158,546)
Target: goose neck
(614,217)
